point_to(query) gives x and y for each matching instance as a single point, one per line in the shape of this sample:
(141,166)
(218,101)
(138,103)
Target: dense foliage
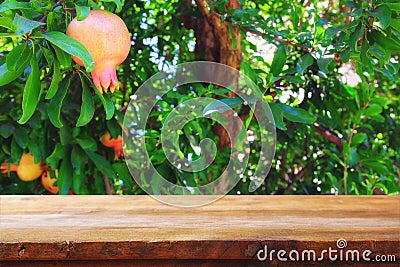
(329,71)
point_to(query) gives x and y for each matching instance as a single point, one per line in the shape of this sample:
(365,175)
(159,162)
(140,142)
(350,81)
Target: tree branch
(276,39)
(59,2)
(212,17)
(215,19)
(107,186)
(298,175)
(329,135)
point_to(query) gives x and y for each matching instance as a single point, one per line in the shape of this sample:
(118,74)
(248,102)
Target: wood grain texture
(235,228)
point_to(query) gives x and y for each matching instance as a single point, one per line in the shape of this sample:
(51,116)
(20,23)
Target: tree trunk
(215,42)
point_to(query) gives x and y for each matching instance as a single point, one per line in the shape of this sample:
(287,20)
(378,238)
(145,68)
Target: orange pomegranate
(27,170)
(115,144)
(107,39)
(48,182)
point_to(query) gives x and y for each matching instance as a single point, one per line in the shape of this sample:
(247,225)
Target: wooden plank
(174,263)
(234,228)
(135,263)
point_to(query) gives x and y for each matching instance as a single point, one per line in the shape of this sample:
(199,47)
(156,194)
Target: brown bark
(218,42)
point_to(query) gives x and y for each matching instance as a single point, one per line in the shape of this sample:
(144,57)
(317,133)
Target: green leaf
(54,107)
(117,3)
(7,76)
(249,71)
(63,57)
(65,135)
(8,35)
(55,157)
(294,79)
(124,174)
(78,160)
(323,64)
(345,55)
(297,114)
(114,128)
(51,20)
(395,24)
(331,32)
(31,94)
(386,72)
(277,113)
(93,5)
(102,164)
(21,137)
(18,56)
(79,180)
(358,138)
(304,62)
(334,156)
(383,13)
(55,80)
(87,108)
(393,6)
(355,36)
(376,165)
(23,25)
(16,151)
(376,52)
(48,55)
(71,46)
(378,118)
(105,100)
(294,14)
(107,103)
(319,34)
(6,130)
(33,147)
(6,23)
(12,5)
(385,42)
(233,37)
(279,60)
(372,110)
(379,100)
(87,143)
(82,12)
(222,105)
(64,180)
(365,59)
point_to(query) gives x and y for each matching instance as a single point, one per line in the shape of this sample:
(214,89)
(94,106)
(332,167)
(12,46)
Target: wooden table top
(232,228)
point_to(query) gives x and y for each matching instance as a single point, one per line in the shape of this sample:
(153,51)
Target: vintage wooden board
(137,230)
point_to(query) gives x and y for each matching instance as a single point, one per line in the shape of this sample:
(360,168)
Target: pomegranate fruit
(107,39)
(48,182)
(115,144)
(27,170)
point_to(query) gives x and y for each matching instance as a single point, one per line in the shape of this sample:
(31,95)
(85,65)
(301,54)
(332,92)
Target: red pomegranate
(48,182)
(107,39)
(116,144)
(27,170)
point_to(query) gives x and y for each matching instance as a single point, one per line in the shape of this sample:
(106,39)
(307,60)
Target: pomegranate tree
(107,39)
